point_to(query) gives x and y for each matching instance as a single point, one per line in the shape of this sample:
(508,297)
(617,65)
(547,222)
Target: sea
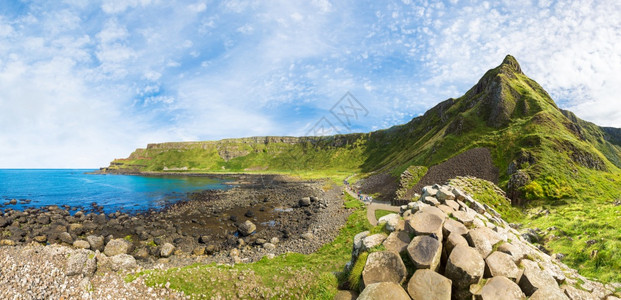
(80,188)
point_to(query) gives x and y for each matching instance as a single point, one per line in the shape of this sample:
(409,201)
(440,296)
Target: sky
(84,82)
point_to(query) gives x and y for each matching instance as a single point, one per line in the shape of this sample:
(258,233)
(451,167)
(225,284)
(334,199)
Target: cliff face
(540,150)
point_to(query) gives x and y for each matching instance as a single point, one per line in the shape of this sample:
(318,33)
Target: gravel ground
(38,272)
(475,162)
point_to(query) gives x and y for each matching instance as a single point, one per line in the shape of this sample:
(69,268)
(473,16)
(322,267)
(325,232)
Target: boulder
(200,250)
(464,267)
(345,295)
(501,288)
(269,246)
(122,262)
(96,242)
(357,244)
(501,264)
(431,201)
(532,278)
(451,226)
(75,263)
(459,194)
(383,266)
(426,284)
(397,241)
(391,220)
(167,250)
(117,246)
(425,252)
(429,191)
(247,228)
(424,223)
(384,290)
(516,253)
(452,241)
(373,240)
(305,201)
(81,244)
(446,209)
(483,239)
(65,237)
(91,265)
(549,293)
(464,217)
(577,294)
(40,238)
(452,204)
(444,194)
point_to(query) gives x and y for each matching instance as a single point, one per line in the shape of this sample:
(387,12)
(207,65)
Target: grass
(380,213)
(577,222)
(351,202)
(288,276)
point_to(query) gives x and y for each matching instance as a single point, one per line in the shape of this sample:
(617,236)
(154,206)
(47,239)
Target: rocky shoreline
(243,224)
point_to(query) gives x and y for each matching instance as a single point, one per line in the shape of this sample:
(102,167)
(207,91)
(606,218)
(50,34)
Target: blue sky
(83,82)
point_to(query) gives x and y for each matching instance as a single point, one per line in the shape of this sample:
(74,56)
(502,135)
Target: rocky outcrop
(462,249)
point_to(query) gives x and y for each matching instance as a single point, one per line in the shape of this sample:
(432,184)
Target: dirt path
(371,208)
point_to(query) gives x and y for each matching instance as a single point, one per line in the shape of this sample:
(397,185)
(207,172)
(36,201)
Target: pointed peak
(511,63)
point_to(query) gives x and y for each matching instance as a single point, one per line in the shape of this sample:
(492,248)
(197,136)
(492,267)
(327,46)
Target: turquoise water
(113,192)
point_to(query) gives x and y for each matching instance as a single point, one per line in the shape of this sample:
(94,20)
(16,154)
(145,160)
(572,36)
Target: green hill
(542,152)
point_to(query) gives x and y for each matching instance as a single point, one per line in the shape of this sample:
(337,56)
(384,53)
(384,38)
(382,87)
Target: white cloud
(197,7)
(119,6)
(90,84)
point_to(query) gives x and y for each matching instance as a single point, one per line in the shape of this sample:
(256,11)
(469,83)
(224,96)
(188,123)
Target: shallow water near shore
(77,188)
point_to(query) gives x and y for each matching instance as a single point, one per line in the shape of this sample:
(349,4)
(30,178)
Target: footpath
(372,205)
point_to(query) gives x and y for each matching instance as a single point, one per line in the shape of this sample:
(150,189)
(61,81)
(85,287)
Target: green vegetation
(291,275)
(587,232)
(547,159)
(488,193)
(380,213)
(351,202)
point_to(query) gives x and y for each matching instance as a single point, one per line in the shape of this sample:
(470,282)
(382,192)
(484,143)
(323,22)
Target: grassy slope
(506,112)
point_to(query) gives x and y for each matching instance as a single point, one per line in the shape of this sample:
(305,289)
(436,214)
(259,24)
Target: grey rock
(384,290)
(425,252)
(464,267)
(501,264)
(424,223)
(65,237)
(532,278)
(383,266)
(451,226)
(81,244)
(548,293)
(577,294)
(483,239)
(167,250)
(397,241)
(429,285)
(501,288)
(96,242)
(75,263)
(117,246)
(391,221)
(373,240)
(306,201)
(122,262)
(444,194)
(247,228)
